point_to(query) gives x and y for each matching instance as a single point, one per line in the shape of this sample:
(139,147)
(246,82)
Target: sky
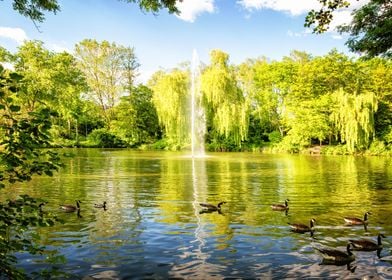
(241,28)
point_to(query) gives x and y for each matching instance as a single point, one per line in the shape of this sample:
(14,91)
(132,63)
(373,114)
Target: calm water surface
(153,228)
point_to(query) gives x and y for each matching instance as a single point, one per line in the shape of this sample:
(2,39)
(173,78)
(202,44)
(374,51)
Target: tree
(227,109)
(171,100)
(370,30)
(354,118)
(50,80)
(321,19)
(35,9)
(21,138)
(136,118)
(109,70)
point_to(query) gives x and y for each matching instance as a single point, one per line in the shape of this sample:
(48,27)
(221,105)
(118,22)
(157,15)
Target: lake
(154,228)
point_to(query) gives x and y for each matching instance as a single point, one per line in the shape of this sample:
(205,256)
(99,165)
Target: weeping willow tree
(226,105)
(354,118)
(170,98)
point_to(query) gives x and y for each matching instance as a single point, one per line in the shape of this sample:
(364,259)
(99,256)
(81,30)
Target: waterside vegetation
(339,103)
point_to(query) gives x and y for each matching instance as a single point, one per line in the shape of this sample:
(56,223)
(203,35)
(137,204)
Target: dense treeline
(341,103)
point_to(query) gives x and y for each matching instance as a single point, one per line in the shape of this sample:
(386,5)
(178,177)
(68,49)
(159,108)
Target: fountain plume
(198,119)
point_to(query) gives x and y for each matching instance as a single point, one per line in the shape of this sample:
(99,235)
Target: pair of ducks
(335,256)
(73,208)
(351,221)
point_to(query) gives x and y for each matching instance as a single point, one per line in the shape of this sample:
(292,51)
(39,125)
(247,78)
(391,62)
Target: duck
(301,228)
(367,244)
(357,221)
(211,207)
(335,256)
(281,207)
(71,208)
(100,205)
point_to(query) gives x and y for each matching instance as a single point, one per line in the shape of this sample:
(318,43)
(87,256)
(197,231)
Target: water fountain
(198,118)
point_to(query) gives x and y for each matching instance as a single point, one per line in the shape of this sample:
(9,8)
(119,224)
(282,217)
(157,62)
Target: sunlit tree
(109,69)
(227,107)
(171,100)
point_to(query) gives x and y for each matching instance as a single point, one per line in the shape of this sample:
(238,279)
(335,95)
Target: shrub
(104,139)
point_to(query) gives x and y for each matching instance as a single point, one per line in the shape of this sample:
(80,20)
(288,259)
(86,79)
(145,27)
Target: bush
(104,139)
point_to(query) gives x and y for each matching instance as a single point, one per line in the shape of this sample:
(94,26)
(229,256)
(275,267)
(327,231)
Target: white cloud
(337,36)
(292,7)
(16,34)
(295,34)
(58,48)
(190,9)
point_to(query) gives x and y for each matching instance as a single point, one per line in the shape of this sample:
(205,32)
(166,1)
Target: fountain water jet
(198,119)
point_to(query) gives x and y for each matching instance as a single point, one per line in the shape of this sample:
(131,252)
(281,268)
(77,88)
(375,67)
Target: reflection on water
(153,228)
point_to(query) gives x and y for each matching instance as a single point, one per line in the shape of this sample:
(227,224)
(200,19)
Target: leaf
(15,108)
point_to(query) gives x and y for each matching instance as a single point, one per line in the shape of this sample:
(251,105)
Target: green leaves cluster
(22,155)
(172,103)
(109,70)
(227,109)
(369,31)
(322,18)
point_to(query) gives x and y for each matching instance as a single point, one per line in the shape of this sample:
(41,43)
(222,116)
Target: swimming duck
(71,208)
(281,207)
(357,221)
(367,244)
(336,256)
(100,205)
(211,207)
(301,228)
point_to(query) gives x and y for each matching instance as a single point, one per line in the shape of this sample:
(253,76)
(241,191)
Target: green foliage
(274,137)
(227,108)
(156,5)
(23,137)
(322,18)
(35,9)
(378,147)
(109,69)
(16,218)
(171,100)
(102,138)
(370,30)
(50,80)
(354,118)
(21,156)
(136,118)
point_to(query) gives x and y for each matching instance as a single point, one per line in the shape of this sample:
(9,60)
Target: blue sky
(242,28)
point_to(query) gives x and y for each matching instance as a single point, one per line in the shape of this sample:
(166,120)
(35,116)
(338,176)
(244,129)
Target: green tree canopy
(227,108)
(171,100)
(109,69)
(370,30)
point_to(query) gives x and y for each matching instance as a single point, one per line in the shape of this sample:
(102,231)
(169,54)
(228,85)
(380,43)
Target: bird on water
(281,207)
(100,205)
(302,228)
(71,208)
(367,244)
(357,221)
(335,256)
